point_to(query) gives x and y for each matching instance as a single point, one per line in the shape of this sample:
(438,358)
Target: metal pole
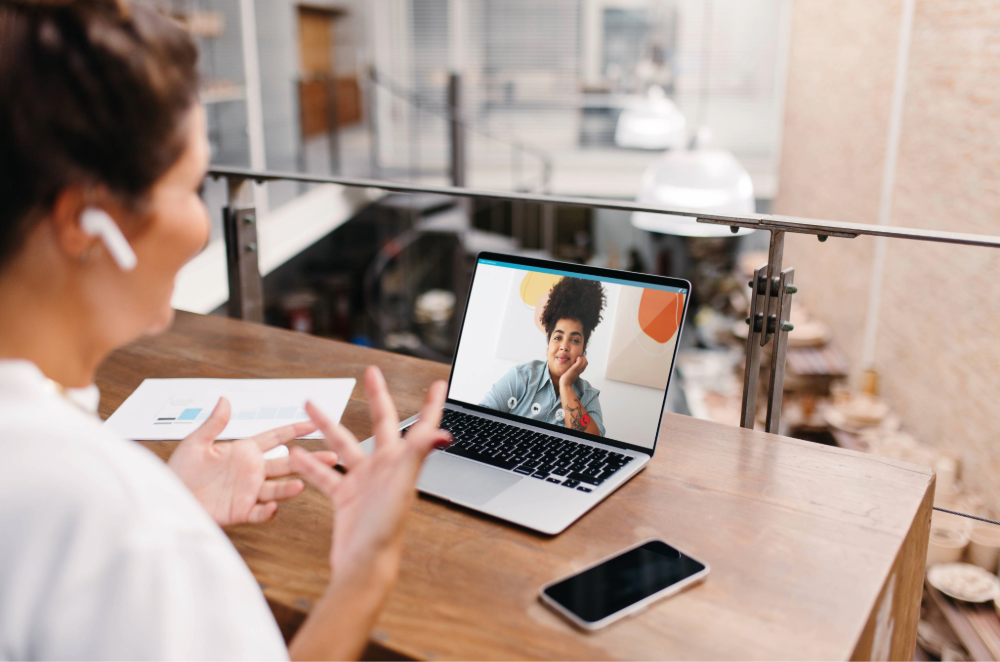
(751,374)
(239,219)
(300,156)
(456,121)
(518,223)
(518,210)
(546,174)
(517,177)
(373,138)
(549,229)
(252,94)
(332,122)
(888,184)
(412,132)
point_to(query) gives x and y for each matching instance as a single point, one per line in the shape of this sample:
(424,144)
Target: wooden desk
(816,552)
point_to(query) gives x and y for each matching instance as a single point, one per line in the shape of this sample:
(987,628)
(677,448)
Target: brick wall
(939,327)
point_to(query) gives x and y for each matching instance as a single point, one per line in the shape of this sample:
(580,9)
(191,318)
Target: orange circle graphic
(660,313)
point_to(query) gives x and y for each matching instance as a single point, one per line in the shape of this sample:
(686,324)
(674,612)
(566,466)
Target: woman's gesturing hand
(371,500)
(369,503)
(231,479)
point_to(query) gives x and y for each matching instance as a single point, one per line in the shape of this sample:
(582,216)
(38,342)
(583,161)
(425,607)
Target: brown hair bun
(577,299)
(92,93)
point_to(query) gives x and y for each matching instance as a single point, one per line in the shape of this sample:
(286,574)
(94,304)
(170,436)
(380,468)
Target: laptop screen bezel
(600,273)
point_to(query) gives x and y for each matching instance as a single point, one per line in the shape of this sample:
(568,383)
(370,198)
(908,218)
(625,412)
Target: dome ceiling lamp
(651,122)
(701,179)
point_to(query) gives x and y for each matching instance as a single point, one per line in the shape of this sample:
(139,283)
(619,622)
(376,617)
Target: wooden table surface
(816,552)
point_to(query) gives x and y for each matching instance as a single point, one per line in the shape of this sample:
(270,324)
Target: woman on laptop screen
(553,390)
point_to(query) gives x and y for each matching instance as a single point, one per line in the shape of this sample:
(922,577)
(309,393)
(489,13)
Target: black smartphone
(622,584)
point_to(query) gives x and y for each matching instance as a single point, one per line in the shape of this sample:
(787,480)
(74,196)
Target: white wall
(631,412)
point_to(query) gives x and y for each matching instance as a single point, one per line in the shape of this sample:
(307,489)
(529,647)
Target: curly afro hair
(575,299)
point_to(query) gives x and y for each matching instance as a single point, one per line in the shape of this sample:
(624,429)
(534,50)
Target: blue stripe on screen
(573,274)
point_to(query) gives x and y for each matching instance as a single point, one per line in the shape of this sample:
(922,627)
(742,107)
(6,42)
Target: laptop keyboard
(530,453)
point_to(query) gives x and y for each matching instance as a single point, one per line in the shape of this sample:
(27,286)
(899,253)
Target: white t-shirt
(104,553)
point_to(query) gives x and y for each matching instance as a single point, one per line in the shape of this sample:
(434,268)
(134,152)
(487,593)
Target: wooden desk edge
(891,630)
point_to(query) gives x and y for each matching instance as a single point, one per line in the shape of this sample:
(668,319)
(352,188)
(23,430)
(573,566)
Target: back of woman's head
(93,93)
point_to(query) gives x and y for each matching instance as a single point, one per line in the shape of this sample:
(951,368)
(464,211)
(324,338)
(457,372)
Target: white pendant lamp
(651,122)
(702,178)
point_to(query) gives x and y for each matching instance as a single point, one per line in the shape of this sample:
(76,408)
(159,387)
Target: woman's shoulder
(54,453)
(524,371)
(519,377)
(531,367)
(99,513)
(532,372)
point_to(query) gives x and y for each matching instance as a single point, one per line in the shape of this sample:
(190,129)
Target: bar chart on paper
(173,408)
(188,411)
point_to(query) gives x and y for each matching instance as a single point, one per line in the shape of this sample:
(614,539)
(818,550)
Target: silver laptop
(557,389)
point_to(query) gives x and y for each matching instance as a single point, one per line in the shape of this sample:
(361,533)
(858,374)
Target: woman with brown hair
(106,552)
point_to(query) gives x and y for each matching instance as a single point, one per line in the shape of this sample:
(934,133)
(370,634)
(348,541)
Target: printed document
(167,409)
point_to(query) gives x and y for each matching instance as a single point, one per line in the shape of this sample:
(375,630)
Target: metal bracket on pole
(770,308)
(771,299)
(781,328)
(239,220)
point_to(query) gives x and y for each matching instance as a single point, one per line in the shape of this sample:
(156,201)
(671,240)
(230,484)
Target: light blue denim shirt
(527,390)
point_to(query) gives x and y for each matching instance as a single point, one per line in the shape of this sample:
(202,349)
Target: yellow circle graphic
(535,284)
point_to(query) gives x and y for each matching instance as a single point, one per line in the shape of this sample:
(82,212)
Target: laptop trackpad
(461,480)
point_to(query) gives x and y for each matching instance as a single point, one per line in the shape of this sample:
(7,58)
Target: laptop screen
(588,353)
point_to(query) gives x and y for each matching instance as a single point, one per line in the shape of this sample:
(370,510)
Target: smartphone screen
(619,582)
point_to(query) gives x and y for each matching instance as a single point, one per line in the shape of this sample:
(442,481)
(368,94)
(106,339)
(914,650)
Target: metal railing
(772,287)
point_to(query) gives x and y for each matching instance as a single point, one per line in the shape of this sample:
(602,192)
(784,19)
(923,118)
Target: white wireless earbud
(98,223)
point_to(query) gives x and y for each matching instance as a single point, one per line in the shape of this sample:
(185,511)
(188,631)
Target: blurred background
(857,111)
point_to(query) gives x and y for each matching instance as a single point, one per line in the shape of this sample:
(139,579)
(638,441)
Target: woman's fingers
(337,437)
(279,490)
(425,435)
(430,413)
(317,474)
(423,443)
(328,458)
(278,467)
(262,512)
(385,420)
(268,440)
(213,426)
